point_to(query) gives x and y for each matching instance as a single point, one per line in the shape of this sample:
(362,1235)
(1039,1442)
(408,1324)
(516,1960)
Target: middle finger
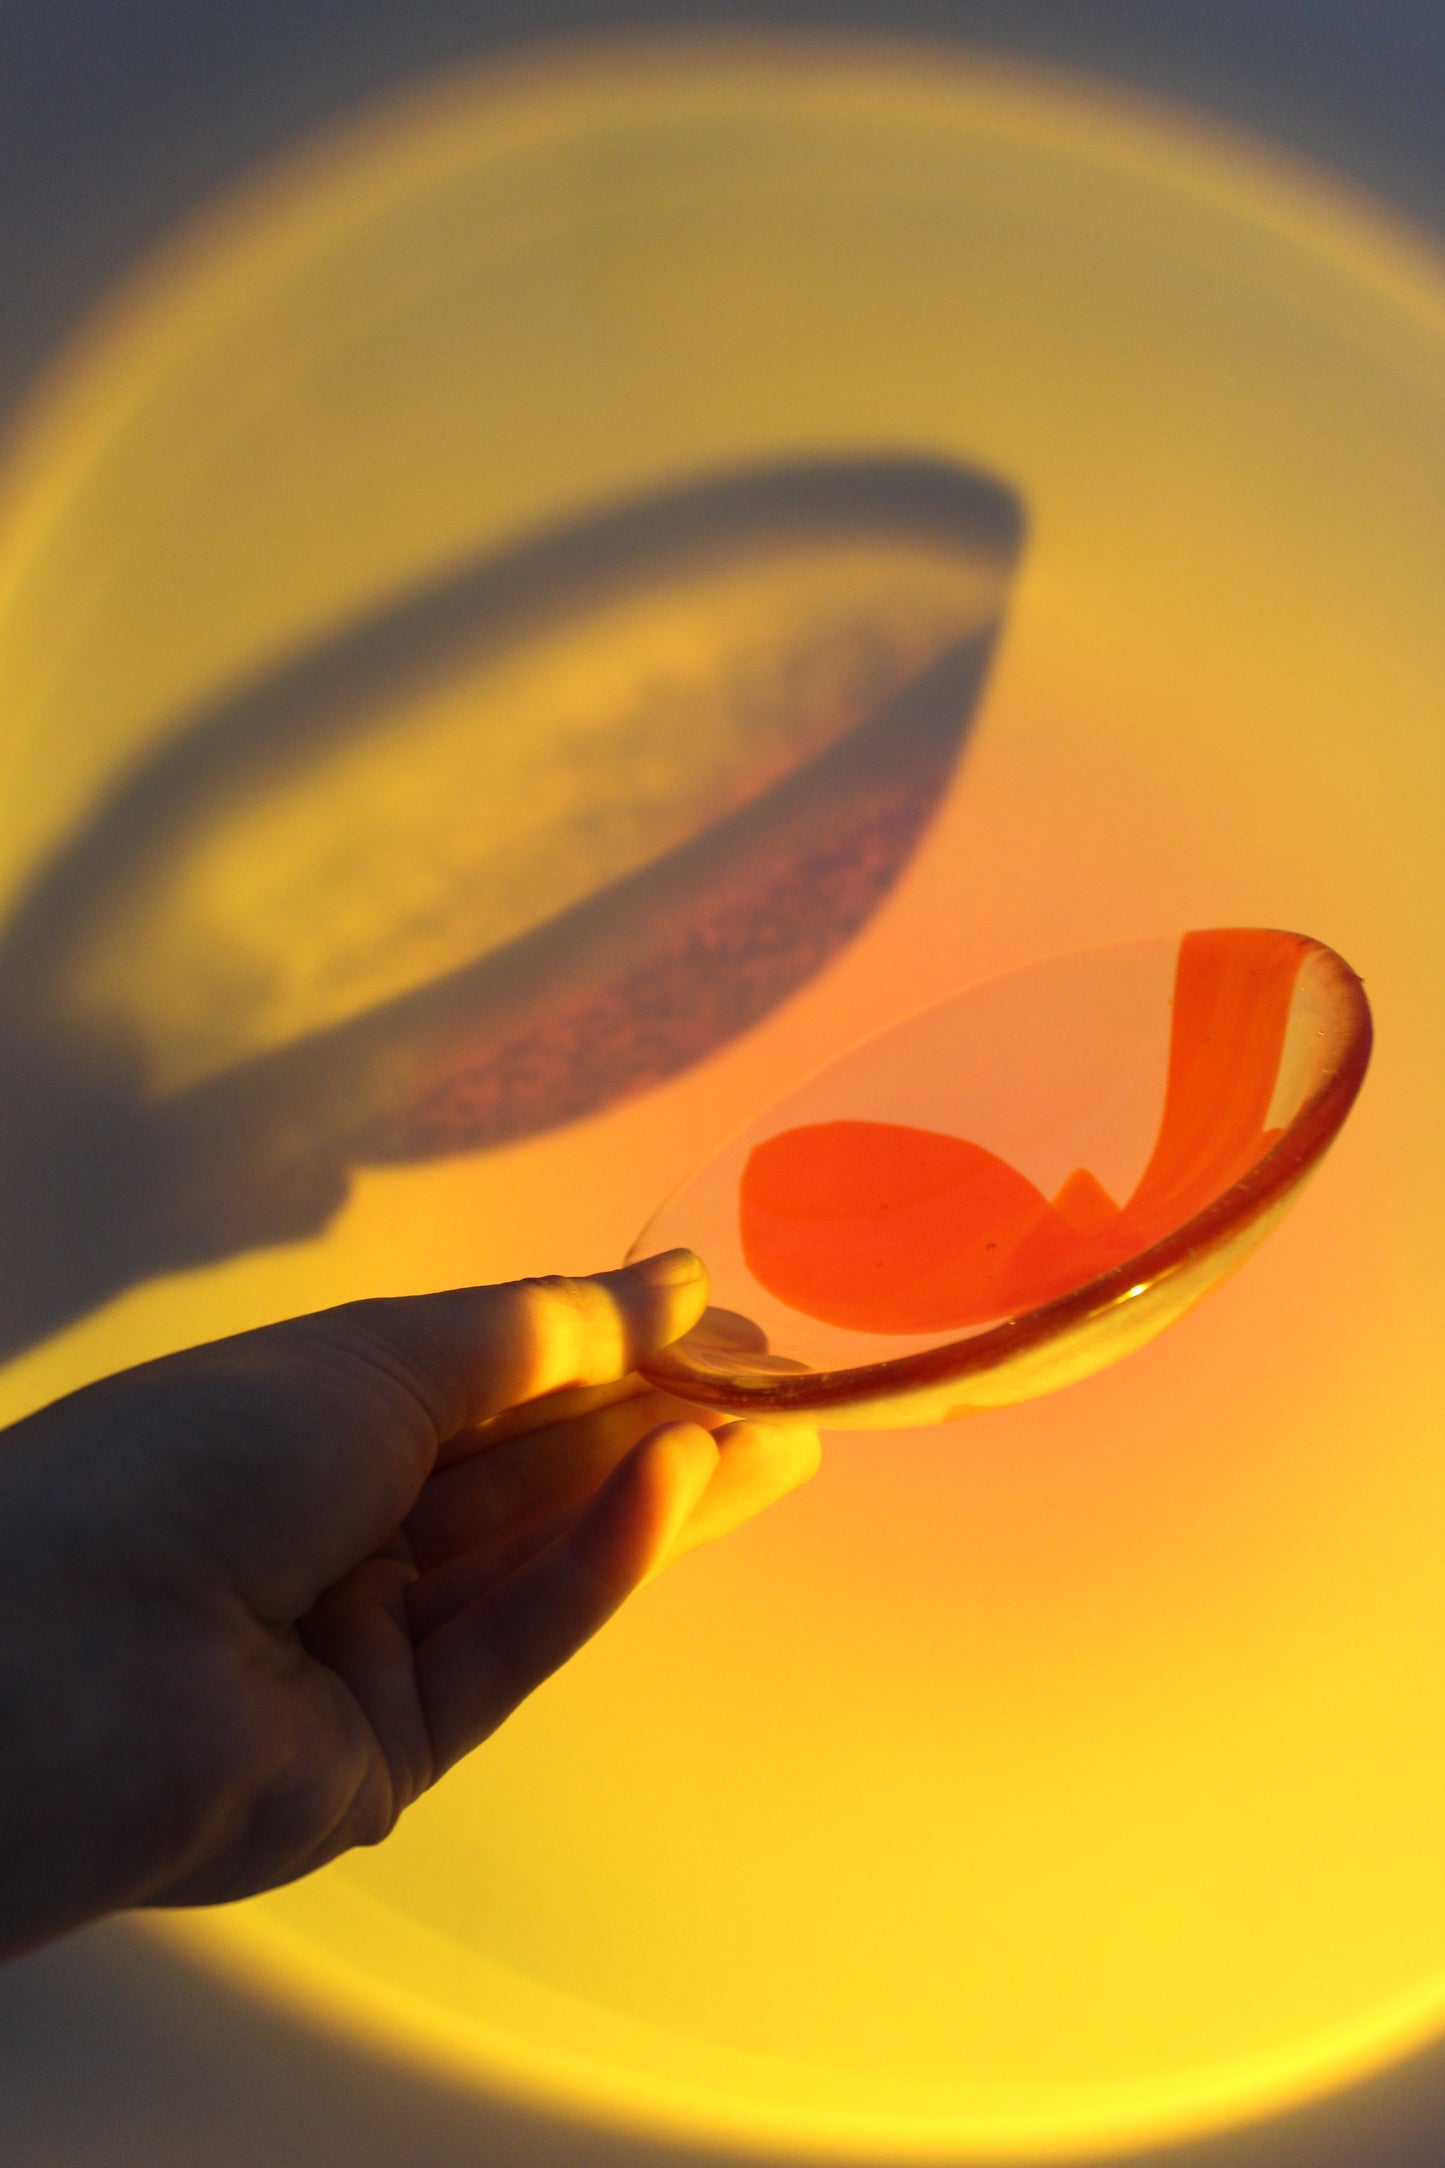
(532,1475)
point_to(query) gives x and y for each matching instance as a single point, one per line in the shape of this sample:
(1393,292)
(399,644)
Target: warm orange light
(1050,1783)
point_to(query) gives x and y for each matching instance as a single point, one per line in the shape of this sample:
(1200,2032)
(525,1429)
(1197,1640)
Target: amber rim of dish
(1286,1163)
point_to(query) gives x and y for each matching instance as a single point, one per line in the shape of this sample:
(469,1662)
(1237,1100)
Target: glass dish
(928,1226)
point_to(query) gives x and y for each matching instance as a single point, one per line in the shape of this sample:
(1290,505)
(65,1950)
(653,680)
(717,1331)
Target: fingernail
(670,1268)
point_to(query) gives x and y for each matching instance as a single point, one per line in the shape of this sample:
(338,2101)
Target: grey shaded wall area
(118,118)
(116,2054)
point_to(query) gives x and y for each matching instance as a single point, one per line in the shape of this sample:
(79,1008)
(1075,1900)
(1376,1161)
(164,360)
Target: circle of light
(1291,250)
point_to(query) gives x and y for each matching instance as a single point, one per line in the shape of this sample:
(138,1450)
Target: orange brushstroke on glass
(879,1227)
(1232,994)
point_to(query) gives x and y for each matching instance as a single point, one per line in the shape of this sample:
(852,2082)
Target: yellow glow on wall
(1070,1777)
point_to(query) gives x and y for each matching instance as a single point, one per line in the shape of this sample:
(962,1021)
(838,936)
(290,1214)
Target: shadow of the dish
(197,2070)
(157,1113)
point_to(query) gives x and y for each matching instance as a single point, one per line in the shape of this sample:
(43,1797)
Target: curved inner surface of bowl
(991,1174)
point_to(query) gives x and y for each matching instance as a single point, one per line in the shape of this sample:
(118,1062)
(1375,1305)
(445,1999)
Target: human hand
(256,1597)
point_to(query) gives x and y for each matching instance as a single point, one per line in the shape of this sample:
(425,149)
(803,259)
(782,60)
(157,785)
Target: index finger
(470,1353)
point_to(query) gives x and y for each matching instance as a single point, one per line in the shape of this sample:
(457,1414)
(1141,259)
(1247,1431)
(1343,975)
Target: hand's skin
(255,1598)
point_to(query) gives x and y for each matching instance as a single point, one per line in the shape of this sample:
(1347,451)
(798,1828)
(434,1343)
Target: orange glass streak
(881,1227)
(1232,994)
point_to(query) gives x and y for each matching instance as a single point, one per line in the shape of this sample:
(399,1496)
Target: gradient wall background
(1158,1601)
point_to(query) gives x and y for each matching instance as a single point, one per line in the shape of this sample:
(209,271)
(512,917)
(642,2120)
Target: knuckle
(559,1291)
(576,1328)
(508,1497)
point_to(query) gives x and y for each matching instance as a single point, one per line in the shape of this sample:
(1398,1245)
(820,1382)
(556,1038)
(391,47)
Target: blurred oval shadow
(484,862)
